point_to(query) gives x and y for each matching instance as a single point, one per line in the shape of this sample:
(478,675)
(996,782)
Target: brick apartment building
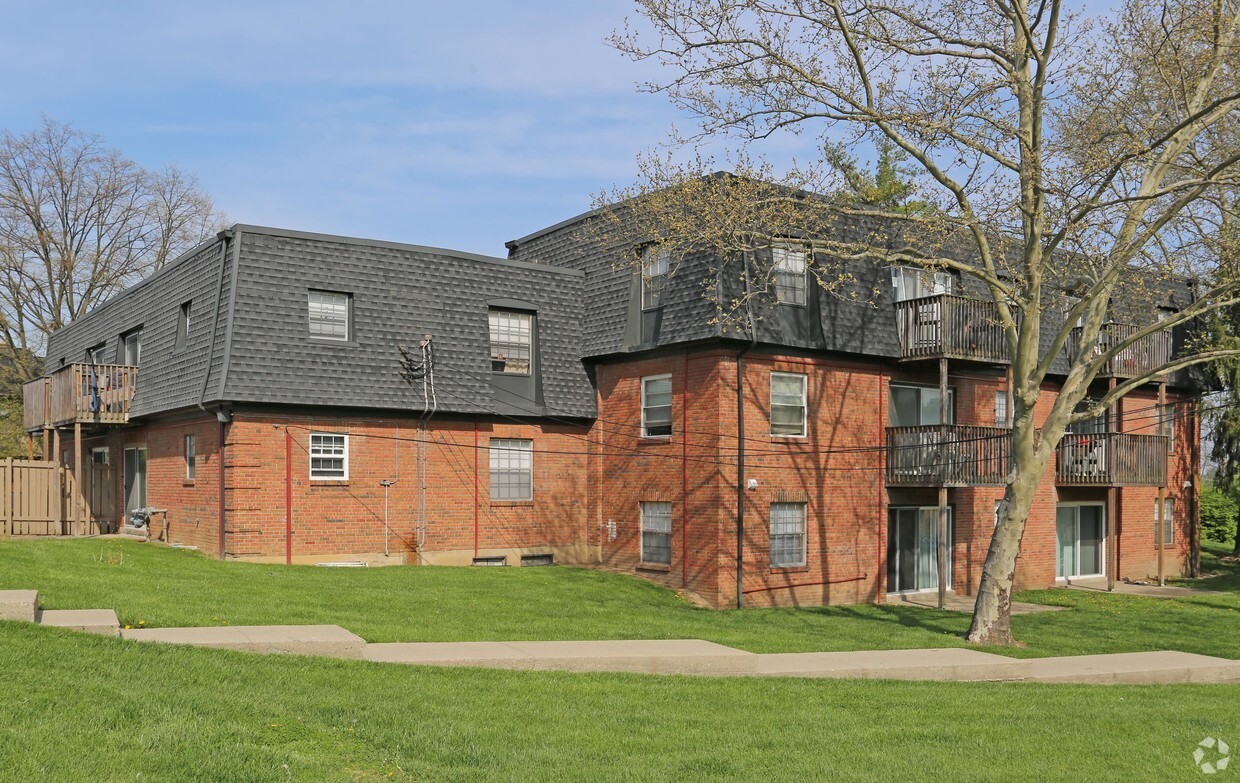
(548,407)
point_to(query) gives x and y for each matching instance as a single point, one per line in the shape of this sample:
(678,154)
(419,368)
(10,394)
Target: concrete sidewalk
(657,656)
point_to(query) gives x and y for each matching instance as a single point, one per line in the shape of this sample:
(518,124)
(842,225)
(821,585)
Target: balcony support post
(79,522)
(945,467)
(1112,520)
(58,522)
(1162,490)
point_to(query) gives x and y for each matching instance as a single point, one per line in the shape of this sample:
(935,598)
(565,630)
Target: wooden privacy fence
(40,498)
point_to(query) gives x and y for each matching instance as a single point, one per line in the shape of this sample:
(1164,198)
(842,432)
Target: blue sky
(458,125)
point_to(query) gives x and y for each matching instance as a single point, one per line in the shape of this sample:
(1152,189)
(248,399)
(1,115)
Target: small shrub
(1218,515)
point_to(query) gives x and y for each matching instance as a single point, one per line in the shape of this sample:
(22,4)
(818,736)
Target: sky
(459,125)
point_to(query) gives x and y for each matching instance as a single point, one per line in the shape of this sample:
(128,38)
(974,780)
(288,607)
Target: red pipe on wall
(288,496)
(684,477)
(475,489)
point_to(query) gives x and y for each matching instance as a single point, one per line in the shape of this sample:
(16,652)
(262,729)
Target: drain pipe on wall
(740,440)
(221,416)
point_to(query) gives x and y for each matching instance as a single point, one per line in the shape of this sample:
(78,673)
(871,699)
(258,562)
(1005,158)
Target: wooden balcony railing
(1143,356)
(951,326)
(1111,459)
(953,456)
(85,393)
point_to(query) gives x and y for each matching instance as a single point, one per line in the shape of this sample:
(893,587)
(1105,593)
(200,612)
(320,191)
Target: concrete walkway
(658,656)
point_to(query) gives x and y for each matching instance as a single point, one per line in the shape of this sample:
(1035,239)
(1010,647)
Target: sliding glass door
(913,548)
(1080,532)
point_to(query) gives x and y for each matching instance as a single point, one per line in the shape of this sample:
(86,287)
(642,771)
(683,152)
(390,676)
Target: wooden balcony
(80,393)
(952,327)
(952,456)
(1140,358)
(1111,459)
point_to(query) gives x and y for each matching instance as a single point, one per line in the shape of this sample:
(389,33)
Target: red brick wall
(590,480)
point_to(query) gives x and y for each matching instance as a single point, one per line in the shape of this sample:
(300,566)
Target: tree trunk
(992,614)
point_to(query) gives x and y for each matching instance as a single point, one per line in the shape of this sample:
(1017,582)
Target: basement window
(538,560)
(496,560)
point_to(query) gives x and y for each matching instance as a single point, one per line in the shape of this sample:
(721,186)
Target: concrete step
(948,663)
(327,640)
(100,621)
(19,605)
(1141,668)
(664,656)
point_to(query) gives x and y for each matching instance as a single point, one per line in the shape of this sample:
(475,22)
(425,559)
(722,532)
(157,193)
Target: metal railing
(1140,358)
(955,455)
(86,393)
(1111,459)
(951,326)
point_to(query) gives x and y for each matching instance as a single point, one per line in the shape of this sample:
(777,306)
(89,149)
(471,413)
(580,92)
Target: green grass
(80,708)
(155,586)
(75,707)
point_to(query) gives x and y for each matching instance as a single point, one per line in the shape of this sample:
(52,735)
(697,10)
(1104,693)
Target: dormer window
(94,355)
(911,282)
(790,264)
(656,266)
(129,352)
(329,314)
(512,341)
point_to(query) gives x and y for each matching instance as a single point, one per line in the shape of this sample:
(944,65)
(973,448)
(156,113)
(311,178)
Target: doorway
(1080,540)
(913,549)
(135,479)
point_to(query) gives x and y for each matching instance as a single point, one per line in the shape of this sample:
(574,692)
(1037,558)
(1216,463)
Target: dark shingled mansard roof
(253,289)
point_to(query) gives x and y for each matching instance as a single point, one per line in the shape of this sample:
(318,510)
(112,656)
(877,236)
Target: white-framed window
(182,326)
(656,266)
(191,467)
(788,404)
(329,314)
(790,264)
(656,406)
(101,456)
(1168,521)
(1166,424)
(329,456)
(512,341)
(787,535)
(656,532)
(912,282)
(94,355)
(1001,412)
(129,351)
(918,406)
(512,469)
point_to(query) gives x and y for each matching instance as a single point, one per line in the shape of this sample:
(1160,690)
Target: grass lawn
(156,586)
(80,708)
(75,707)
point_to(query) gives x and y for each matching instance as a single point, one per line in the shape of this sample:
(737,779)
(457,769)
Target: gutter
(740,439)
(222,416)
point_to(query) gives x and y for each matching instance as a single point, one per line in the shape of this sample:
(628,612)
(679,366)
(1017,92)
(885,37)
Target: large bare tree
(78,223)
(1065,154)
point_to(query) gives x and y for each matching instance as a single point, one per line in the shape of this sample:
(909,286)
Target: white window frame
(323,447)
(1001,408)
(191,457)
(647,407)
(329,313)
(511,457)
(511,340)
(107,456)
(656,528)
(790,267)
(656,267)
(913,282)
(1169,523)
(803,403)
(799,514)
(129,350)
